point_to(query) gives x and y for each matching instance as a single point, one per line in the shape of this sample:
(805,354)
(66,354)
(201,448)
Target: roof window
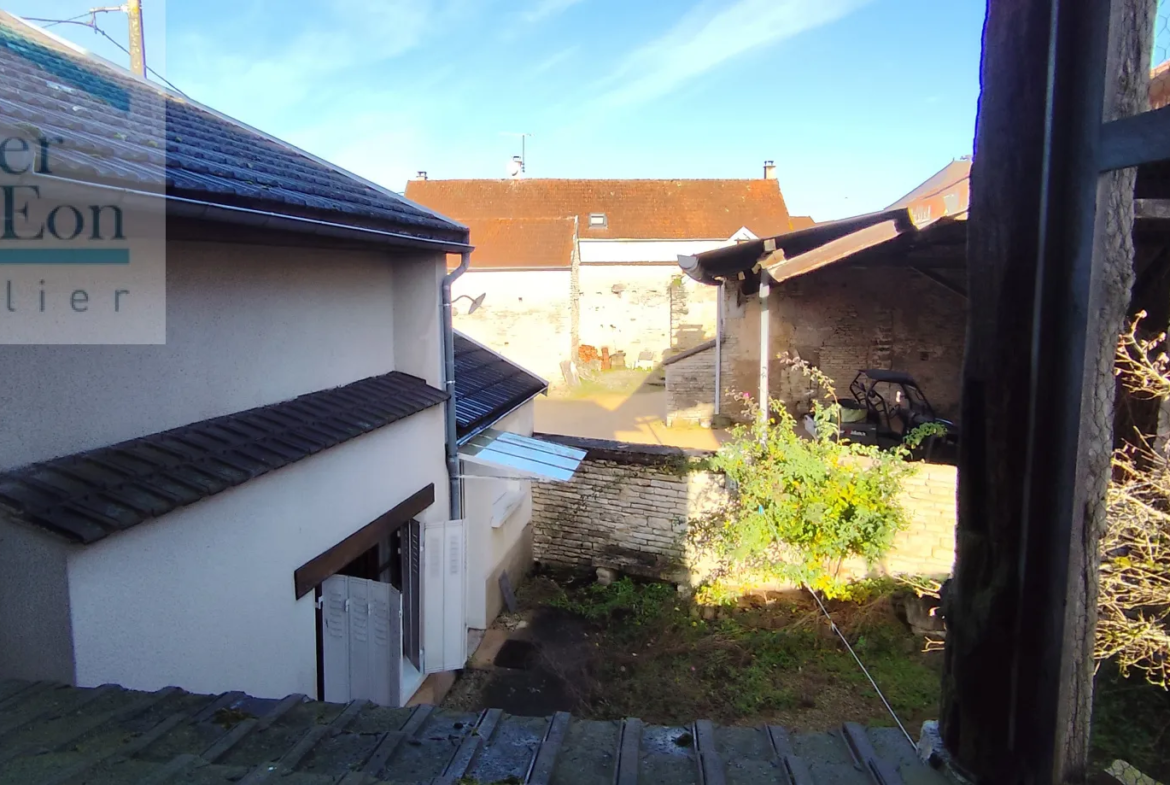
(597,220)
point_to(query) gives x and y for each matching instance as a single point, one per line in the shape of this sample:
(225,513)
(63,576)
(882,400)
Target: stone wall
(628,506)
(635,308)
(843,319)
(537,318)
(690,388)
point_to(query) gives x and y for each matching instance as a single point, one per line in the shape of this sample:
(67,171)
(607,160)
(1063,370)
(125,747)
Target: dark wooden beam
(1049,277)
(1133,141)
(933,276)
(313,573)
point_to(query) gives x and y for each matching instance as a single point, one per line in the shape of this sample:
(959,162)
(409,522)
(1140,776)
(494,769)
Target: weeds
(771,659)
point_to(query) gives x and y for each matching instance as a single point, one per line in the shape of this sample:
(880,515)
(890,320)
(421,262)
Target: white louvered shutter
(361,640)
(385,633)
(444,619)
(335,638)
(361,665)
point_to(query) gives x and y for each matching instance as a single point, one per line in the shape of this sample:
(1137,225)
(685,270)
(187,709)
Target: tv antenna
(523,138)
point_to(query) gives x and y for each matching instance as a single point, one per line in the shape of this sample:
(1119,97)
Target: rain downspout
(765,290)
(718,348)
(449,385)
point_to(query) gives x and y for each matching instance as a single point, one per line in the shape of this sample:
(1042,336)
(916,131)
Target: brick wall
(628,506)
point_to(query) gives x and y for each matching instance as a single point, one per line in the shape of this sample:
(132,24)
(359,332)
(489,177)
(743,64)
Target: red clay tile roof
(521,242)
(801,222)
(951,174)
(634,209)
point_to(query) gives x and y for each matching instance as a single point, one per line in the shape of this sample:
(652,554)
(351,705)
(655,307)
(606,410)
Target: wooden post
(137,44)
(1049,265)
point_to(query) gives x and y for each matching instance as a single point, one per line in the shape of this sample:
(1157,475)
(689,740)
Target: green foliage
(624,597)
(659,657)
(804,505)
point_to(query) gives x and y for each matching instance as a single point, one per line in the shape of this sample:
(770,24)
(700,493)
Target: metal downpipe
(456,498)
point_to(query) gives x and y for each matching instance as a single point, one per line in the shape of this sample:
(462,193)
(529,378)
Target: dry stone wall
(690,389)
(628,506)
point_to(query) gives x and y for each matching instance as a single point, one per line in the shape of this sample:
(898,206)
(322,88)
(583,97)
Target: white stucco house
(271,501)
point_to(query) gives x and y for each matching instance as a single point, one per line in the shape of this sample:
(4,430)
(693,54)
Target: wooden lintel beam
(1155,209)
(313,573)
(842,247)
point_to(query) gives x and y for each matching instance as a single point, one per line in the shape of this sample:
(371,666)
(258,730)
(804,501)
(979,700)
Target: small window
(598,220)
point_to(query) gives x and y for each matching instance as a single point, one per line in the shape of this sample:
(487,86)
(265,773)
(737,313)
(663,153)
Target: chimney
(769,170)
(422,175)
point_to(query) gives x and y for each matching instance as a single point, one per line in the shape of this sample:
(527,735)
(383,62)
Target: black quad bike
(886,406)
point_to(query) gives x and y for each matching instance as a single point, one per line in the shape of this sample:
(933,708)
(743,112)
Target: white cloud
(708,36)
(556,59)
(543,9)
(275,76)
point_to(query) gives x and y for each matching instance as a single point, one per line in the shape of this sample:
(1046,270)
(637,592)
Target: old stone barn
(567,267)
(884,290)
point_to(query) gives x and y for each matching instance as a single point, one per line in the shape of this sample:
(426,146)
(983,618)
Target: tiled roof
(634,209)
(113,126)
(57,734)
(949,175)
(91,495)
(521,242)
(487,386)
(802,222)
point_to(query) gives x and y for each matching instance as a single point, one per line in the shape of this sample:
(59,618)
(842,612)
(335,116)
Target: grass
(1131,722)
(773,660)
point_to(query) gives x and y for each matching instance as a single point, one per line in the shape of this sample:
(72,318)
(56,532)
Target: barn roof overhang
(928,232)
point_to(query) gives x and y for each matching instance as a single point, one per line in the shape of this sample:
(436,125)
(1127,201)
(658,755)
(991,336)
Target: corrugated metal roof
(53,734)
(512,455)
(125,131)
(88,496)
(487,386)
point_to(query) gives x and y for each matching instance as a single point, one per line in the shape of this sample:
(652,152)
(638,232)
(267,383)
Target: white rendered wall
(616,251)
(526,316)
(203,598)
(488,548)
(247,325)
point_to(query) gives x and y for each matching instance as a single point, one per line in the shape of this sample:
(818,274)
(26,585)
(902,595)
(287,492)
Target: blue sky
(857,101)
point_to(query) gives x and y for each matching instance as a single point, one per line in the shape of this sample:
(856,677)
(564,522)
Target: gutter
(456,498)
(184,207)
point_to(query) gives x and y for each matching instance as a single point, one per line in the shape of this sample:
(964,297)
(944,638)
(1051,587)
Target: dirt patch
(640,650)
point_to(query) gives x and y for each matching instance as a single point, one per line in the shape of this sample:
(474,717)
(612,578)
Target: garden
(753,644)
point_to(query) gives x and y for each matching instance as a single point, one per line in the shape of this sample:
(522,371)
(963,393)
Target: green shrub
(804,505)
